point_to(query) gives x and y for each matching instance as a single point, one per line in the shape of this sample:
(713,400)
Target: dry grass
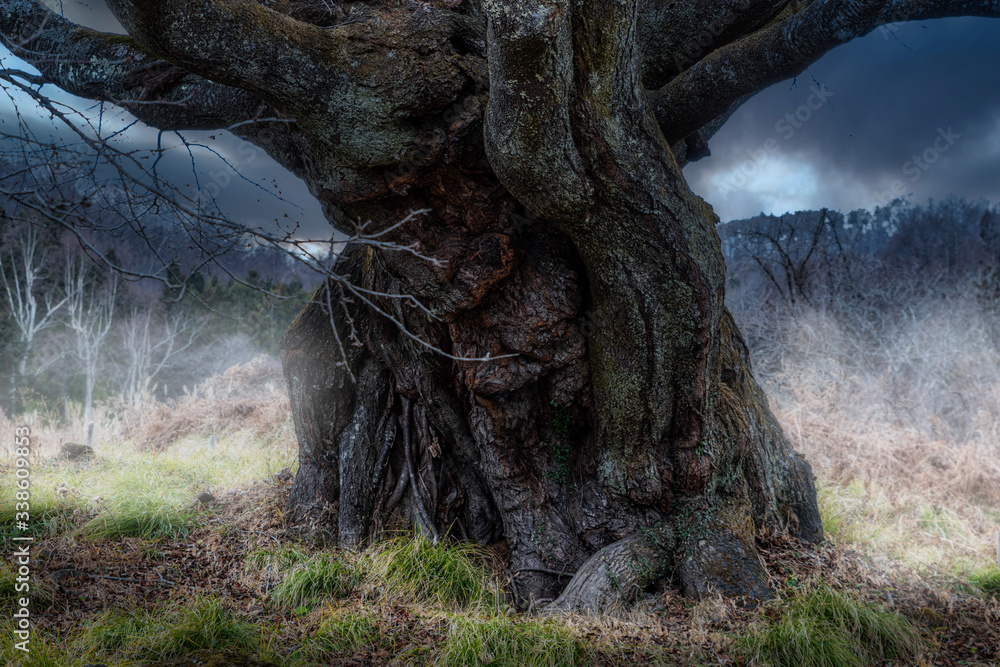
(250,397)
(896,403)
(247,402)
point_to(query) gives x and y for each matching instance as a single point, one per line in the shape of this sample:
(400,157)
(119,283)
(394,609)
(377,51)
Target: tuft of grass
(939,521)
(44,650)
(988,582)
(321,576)
(116,630)
(827,628)
(49,514)
(206,624)
(344,634)
(503,642)
(261,559)
(140,517)
(415,570)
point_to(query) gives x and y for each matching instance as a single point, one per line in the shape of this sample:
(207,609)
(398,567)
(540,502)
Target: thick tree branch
(529,133)
(113,68)
(782,51)
(675,36)
(349,84)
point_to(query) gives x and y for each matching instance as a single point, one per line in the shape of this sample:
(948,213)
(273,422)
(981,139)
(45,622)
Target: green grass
(414,570)
(505,642)
(939,521)
(137,634)
(344,634)
(39,592)
(205,624)
(116,630)
(846,511)
(988,582)
(44,650)
(160,634)
(308,582)
(49,514)
(905,527)
(140,518)
(283,558)
(125,481)
(827,628)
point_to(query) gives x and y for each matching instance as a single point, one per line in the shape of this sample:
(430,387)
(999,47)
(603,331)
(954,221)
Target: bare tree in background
(799,254)
(32,312)
(614,428)
(90,308)
(150,344)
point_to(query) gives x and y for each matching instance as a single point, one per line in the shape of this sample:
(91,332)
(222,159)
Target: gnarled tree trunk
(626,438)
(612,428)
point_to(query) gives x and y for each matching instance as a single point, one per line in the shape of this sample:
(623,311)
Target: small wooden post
(998,550)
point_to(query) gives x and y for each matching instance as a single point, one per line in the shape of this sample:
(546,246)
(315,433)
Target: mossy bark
(627,425)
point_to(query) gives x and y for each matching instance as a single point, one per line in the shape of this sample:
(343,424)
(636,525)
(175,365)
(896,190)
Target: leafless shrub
(248,397)
(904,396)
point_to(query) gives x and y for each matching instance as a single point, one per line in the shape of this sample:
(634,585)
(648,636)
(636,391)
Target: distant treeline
(822,257)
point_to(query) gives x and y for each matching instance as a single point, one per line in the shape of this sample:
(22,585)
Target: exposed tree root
(616,575)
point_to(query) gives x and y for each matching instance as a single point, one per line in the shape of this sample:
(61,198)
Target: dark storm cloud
(895,96)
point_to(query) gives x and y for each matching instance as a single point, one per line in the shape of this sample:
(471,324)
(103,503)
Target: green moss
(80,34)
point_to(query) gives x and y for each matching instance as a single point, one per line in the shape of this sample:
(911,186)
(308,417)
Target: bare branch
(104,66)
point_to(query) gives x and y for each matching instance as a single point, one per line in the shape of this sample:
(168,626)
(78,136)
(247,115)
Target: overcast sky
(912,109)
(859,117)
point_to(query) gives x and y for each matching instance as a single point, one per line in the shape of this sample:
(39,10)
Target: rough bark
(615,431)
